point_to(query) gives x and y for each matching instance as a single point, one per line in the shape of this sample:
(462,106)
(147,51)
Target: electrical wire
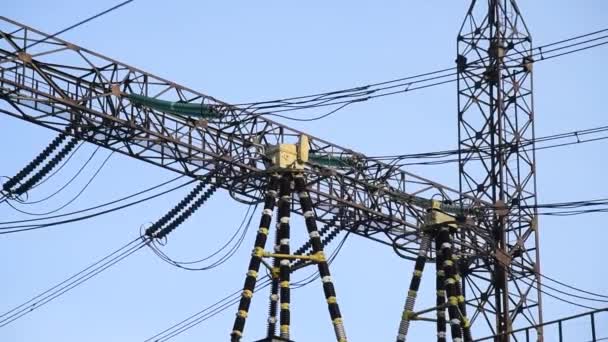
(78,24)
(84,275)
(72,282)
(23,228)
(203,315)
(76,196)
(413,77)
(551,209)
(446,153)
(228,302)
(314,276)
(97,206)
(572,287)
(63,187)
(242,230)
(364,93)
(557,297)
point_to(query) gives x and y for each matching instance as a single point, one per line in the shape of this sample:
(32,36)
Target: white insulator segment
(404,325)
(285,262)
(442,334)
(457,339)
(446,245)
(286,197)
(277,248)
(285,219)
(272,319)
(326,279)
(284,242)
(274,297)
(340,332)
(267,212)
(309,213)
(303,194)
(272,193)
(314,234)
(455,321)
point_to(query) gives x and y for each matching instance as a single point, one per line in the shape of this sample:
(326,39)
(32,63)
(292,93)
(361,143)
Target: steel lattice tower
(497,162)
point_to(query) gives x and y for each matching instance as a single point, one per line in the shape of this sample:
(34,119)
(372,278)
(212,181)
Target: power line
(572,287)
(408,78)
(364,93)
(76,196)
(557,297)
(242,229)
(78,24)
(115,256)
(97,206)
(23,228)
(203,315)
(453,160)
(443,153)
(72,282)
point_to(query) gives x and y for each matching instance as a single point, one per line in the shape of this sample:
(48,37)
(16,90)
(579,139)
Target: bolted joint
(409,315)
(318,257)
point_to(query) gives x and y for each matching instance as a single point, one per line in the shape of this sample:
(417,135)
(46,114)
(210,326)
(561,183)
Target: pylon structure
(483,237)
(495,123)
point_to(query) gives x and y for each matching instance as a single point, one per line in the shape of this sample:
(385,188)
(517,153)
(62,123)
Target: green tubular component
(331,161)
(179,108)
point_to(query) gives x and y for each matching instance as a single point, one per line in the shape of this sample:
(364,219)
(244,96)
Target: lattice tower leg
(317,248)
(256,259)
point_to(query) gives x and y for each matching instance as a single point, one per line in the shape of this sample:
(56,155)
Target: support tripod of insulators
(439,228)
(280,185)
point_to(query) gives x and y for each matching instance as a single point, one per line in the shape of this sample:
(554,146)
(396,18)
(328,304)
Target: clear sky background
(254,50)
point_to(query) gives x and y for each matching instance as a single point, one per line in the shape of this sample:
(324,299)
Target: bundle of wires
(339,99)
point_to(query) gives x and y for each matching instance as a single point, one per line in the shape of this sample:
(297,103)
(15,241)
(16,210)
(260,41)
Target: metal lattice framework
(65,87)
(496,118)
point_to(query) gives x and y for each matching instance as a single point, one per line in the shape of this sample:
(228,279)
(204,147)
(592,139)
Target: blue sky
(242,51)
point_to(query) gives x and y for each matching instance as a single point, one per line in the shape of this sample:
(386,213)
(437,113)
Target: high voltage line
(227,303)
(82,22)
(345,97)
(394,159)
(413,78)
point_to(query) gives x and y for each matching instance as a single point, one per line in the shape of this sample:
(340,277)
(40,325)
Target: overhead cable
(82,22)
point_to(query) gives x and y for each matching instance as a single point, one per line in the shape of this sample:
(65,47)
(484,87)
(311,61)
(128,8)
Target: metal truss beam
(61,86)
